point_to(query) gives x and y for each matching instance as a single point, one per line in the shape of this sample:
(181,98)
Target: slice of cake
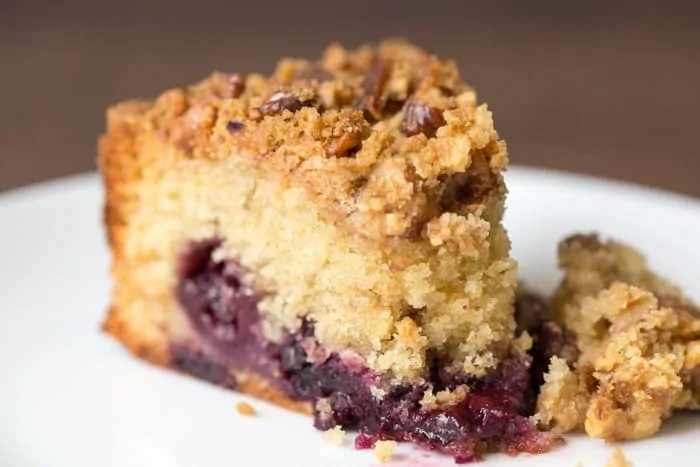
(327,238)
(637,354)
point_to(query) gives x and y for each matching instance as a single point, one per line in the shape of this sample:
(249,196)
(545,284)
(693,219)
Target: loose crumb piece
(335,435)
(246,409)
(638,338)
(384,451)
(562,402)
(618,460)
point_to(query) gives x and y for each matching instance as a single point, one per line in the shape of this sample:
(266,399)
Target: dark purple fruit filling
(217,302)
(196,364)
(493,416)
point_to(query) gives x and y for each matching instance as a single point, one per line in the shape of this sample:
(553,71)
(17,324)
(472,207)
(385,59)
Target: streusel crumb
(591,266)
(246,409)
(638,338)
(381,137)
(384,451)
(335,435)
(638,367)
(562,403)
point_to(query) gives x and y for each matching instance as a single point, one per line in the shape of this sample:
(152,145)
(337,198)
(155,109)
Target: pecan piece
(281,101)
(372,89)
(236,85)
(312,72)
(346,145)
(421,118)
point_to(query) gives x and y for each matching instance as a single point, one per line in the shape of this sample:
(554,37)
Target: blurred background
(607,88)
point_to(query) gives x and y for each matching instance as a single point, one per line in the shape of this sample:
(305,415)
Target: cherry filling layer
(492,416)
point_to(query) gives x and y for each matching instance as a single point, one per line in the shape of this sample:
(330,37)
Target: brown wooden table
(607,88)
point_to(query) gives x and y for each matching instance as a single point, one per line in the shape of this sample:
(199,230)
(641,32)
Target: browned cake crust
(119,166)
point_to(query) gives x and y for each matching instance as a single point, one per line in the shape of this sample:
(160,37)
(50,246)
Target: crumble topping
(379,136)
(562,403)
(638,338)
(637,370)
(591,266)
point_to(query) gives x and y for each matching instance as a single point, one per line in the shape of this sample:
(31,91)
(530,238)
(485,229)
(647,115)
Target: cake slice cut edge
(329,239)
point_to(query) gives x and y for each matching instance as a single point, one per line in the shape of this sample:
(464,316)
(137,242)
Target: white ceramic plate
(70,396)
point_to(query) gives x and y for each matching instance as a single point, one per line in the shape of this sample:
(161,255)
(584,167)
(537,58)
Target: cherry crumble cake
(329,239)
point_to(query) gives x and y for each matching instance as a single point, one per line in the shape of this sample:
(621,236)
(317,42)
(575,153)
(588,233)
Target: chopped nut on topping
(335,435)
(236,85)
(245,408)
(421,118)
(373,86)
(281,101)
(312,72)
(346,145)
(384,451)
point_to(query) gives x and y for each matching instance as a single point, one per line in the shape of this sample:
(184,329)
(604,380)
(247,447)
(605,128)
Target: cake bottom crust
(160,353)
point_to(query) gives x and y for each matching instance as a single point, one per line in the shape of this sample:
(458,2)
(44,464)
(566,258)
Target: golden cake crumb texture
(638,338)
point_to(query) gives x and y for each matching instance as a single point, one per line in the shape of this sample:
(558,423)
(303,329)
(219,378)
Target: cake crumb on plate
(246,409)
(335,435)
(384,450)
